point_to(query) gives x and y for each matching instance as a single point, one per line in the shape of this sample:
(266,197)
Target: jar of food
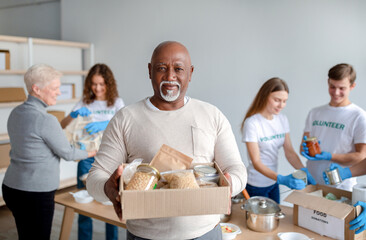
(145,178)
(300,174)
(313,145)
(204,171)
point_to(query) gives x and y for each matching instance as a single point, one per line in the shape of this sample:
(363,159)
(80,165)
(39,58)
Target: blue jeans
(85,224)
(272,192)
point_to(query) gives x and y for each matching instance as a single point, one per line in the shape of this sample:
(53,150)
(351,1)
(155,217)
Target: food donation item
(168,159)
(300,174)
(180,179)
(206,174)
(227,229)
(145,178)
(313,145)
(333,176)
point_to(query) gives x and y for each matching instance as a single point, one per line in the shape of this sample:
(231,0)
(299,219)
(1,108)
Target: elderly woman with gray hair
(37,144)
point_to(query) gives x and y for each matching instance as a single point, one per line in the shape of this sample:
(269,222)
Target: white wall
(235,46)
(30,18)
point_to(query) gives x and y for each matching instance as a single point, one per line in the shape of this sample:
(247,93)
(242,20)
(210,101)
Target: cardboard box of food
(160,203)
(58,114)
(4,59)
(325,217)
(12,94)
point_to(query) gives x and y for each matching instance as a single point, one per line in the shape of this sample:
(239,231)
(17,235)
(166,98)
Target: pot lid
(261,205)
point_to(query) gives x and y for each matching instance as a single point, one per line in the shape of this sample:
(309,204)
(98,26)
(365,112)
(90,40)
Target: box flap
(302,198)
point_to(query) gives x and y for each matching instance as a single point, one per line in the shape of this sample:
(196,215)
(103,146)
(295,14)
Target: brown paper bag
(167,159)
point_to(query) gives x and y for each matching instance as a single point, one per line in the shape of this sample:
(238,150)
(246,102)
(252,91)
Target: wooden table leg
(67,223)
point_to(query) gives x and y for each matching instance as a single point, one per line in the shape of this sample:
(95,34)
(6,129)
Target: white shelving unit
(73,59)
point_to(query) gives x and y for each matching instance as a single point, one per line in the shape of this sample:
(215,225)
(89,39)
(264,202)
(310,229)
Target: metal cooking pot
(262,214)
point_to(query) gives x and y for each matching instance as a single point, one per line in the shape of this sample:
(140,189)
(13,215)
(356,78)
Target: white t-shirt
(270,136)
(338,129)
(99,109)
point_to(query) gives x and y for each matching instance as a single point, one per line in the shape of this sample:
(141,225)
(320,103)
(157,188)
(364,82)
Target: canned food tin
(204,171)
(333,176)
(300,174)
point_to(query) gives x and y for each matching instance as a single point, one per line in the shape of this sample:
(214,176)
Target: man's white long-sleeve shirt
(197,129)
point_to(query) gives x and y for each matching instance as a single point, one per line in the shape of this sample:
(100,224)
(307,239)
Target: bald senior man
(195,128)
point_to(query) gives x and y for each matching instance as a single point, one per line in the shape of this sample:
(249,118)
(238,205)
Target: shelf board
(22,72)
(6,38)
(12,72)
(4,137)
(14,104)
(66,101)
(84,73)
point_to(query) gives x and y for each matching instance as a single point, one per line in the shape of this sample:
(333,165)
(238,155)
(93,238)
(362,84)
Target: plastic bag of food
(130,169)
(76,134)
(168,159)
(180,179)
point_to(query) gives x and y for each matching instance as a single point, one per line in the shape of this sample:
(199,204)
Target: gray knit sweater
(37,144)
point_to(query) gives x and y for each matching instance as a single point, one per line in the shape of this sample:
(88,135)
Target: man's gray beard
(170,97)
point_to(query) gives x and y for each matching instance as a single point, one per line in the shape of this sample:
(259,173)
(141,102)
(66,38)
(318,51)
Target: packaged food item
(168,159)
(130,170)
(313,145)
(331,196)
(204,171)
(180,179)
(333,176)
(145,178)
(300,174)
(76,134)
(204,184)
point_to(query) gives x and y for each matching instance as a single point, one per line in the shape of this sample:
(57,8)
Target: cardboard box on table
(323,216)
(160,203)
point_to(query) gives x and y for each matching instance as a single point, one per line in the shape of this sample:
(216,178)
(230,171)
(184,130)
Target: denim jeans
(214,234)
(272,192)
(85,224)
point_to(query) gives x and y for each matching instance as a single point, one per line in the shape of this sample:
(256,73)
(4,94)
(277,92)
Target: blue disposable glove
(290,182)
(322,156)
(343,172)
(84,112)
(95,127)
(310,178)
(360,221)
(82,146)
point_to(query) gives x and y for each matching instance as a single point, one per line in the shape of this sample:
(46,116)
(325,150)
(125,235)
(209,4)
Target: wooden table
(94,209)
(286,225)
(106,214)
